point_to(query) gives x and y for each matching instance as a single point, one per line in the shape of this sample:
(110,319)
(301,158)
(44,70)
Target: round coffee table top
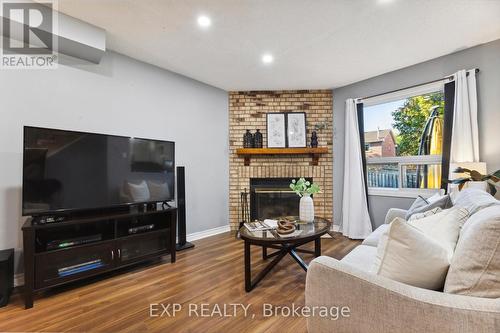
(311,230)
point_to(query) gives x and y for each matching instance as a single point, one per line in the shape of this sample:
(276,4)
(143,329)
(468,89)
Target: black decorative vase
(257,139)
(314,139)
(248,140)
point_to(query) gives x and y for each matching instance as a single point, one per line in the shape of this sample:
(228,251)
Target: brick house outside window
(380,143)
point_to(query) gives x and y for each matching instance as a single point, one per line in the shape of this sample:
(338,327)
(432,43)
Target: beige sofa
(379,304)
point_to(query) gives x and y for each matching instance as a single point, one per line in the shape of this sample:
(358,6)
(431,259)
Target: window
(403,139)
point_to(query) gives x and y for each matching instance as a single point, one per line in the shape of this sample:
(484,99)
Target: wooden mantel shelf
(315,153)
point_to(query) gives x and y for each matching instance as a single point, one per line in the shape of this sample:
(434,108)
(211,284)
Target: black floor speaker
(182,243)
(6,275)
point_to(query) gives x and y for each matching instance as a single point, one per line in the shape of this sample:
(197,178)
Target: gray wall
(125,97)
(486,57)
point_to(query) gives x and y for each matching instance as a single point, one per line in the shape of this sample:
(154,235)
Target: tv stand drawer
(138,247)
(53,268)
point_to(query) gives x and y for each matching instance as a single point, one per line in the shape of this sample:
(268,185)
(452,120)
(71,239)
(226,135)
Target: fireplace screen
(272,197)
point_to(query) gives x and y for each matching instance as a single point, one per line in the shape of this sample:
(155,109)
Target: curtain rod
(449,77)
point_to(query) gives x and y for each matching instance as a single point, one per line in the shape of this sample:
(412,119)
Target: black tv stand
(83,246)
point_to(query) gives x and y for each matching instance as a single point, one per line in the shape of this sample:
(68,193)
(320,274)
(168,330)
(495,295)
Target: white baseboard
(335,228)
(207,233)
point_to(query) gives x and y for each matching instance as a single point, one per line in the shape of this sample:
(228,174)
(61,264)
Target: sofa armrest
(393,213)
(378,304)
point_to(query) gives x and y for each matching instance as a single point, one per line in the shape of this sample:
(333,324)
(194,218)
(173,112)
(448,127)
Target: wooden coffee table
(270,240)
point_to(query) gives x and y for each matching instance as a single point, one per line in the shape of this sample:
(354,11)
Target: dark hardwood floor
(211,273)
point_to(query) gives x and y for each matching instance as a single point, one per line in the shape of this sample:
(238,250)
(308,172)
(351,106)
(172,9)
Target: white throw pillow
(158,191)
(425,214)
(408,255)
(474,200)
(475,267)
(139,192)
(443,227)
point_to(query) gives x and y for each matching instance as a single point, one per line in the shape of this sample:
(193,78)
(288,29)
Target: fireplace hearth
(272,197)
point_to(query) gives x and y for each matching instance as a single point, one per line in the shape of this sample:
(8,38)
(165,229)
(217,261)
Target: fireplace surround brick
(247,110)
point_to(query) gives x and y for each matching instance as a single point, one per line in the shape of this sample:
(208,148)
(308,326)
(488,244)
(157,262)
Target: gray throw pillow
(419,202)
(444,202)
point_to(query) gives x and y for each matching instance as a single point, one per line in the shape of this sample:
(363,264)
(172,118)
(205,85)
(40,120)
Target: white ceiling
(315,43)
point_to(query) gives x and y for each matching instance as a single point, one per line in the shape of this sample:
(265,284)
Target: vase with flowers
(305,189)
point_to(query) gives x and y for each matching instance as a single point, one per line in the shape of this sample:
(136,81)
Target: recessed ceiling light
(383,2)
(204,21)
(267,58)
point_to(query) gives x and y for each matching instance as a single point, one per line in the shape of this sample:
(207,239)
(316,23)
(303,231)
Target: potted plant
(304,190)
(491,179)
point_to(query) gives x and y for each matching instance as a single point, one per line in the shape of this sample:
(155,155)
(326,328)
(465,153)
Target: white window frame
(403,94)
(403,160)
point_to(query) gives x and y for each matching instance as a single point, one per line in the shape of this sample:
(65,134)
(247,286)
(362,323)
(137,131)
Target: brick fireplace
(247,110)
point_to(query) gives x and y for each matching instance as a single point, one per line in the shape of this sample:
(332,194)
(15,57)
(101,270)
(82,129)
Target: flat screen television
(68,171)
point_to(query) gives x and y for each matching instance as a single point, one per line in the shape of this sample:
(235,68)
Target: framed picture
(296,129)
(276,130)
